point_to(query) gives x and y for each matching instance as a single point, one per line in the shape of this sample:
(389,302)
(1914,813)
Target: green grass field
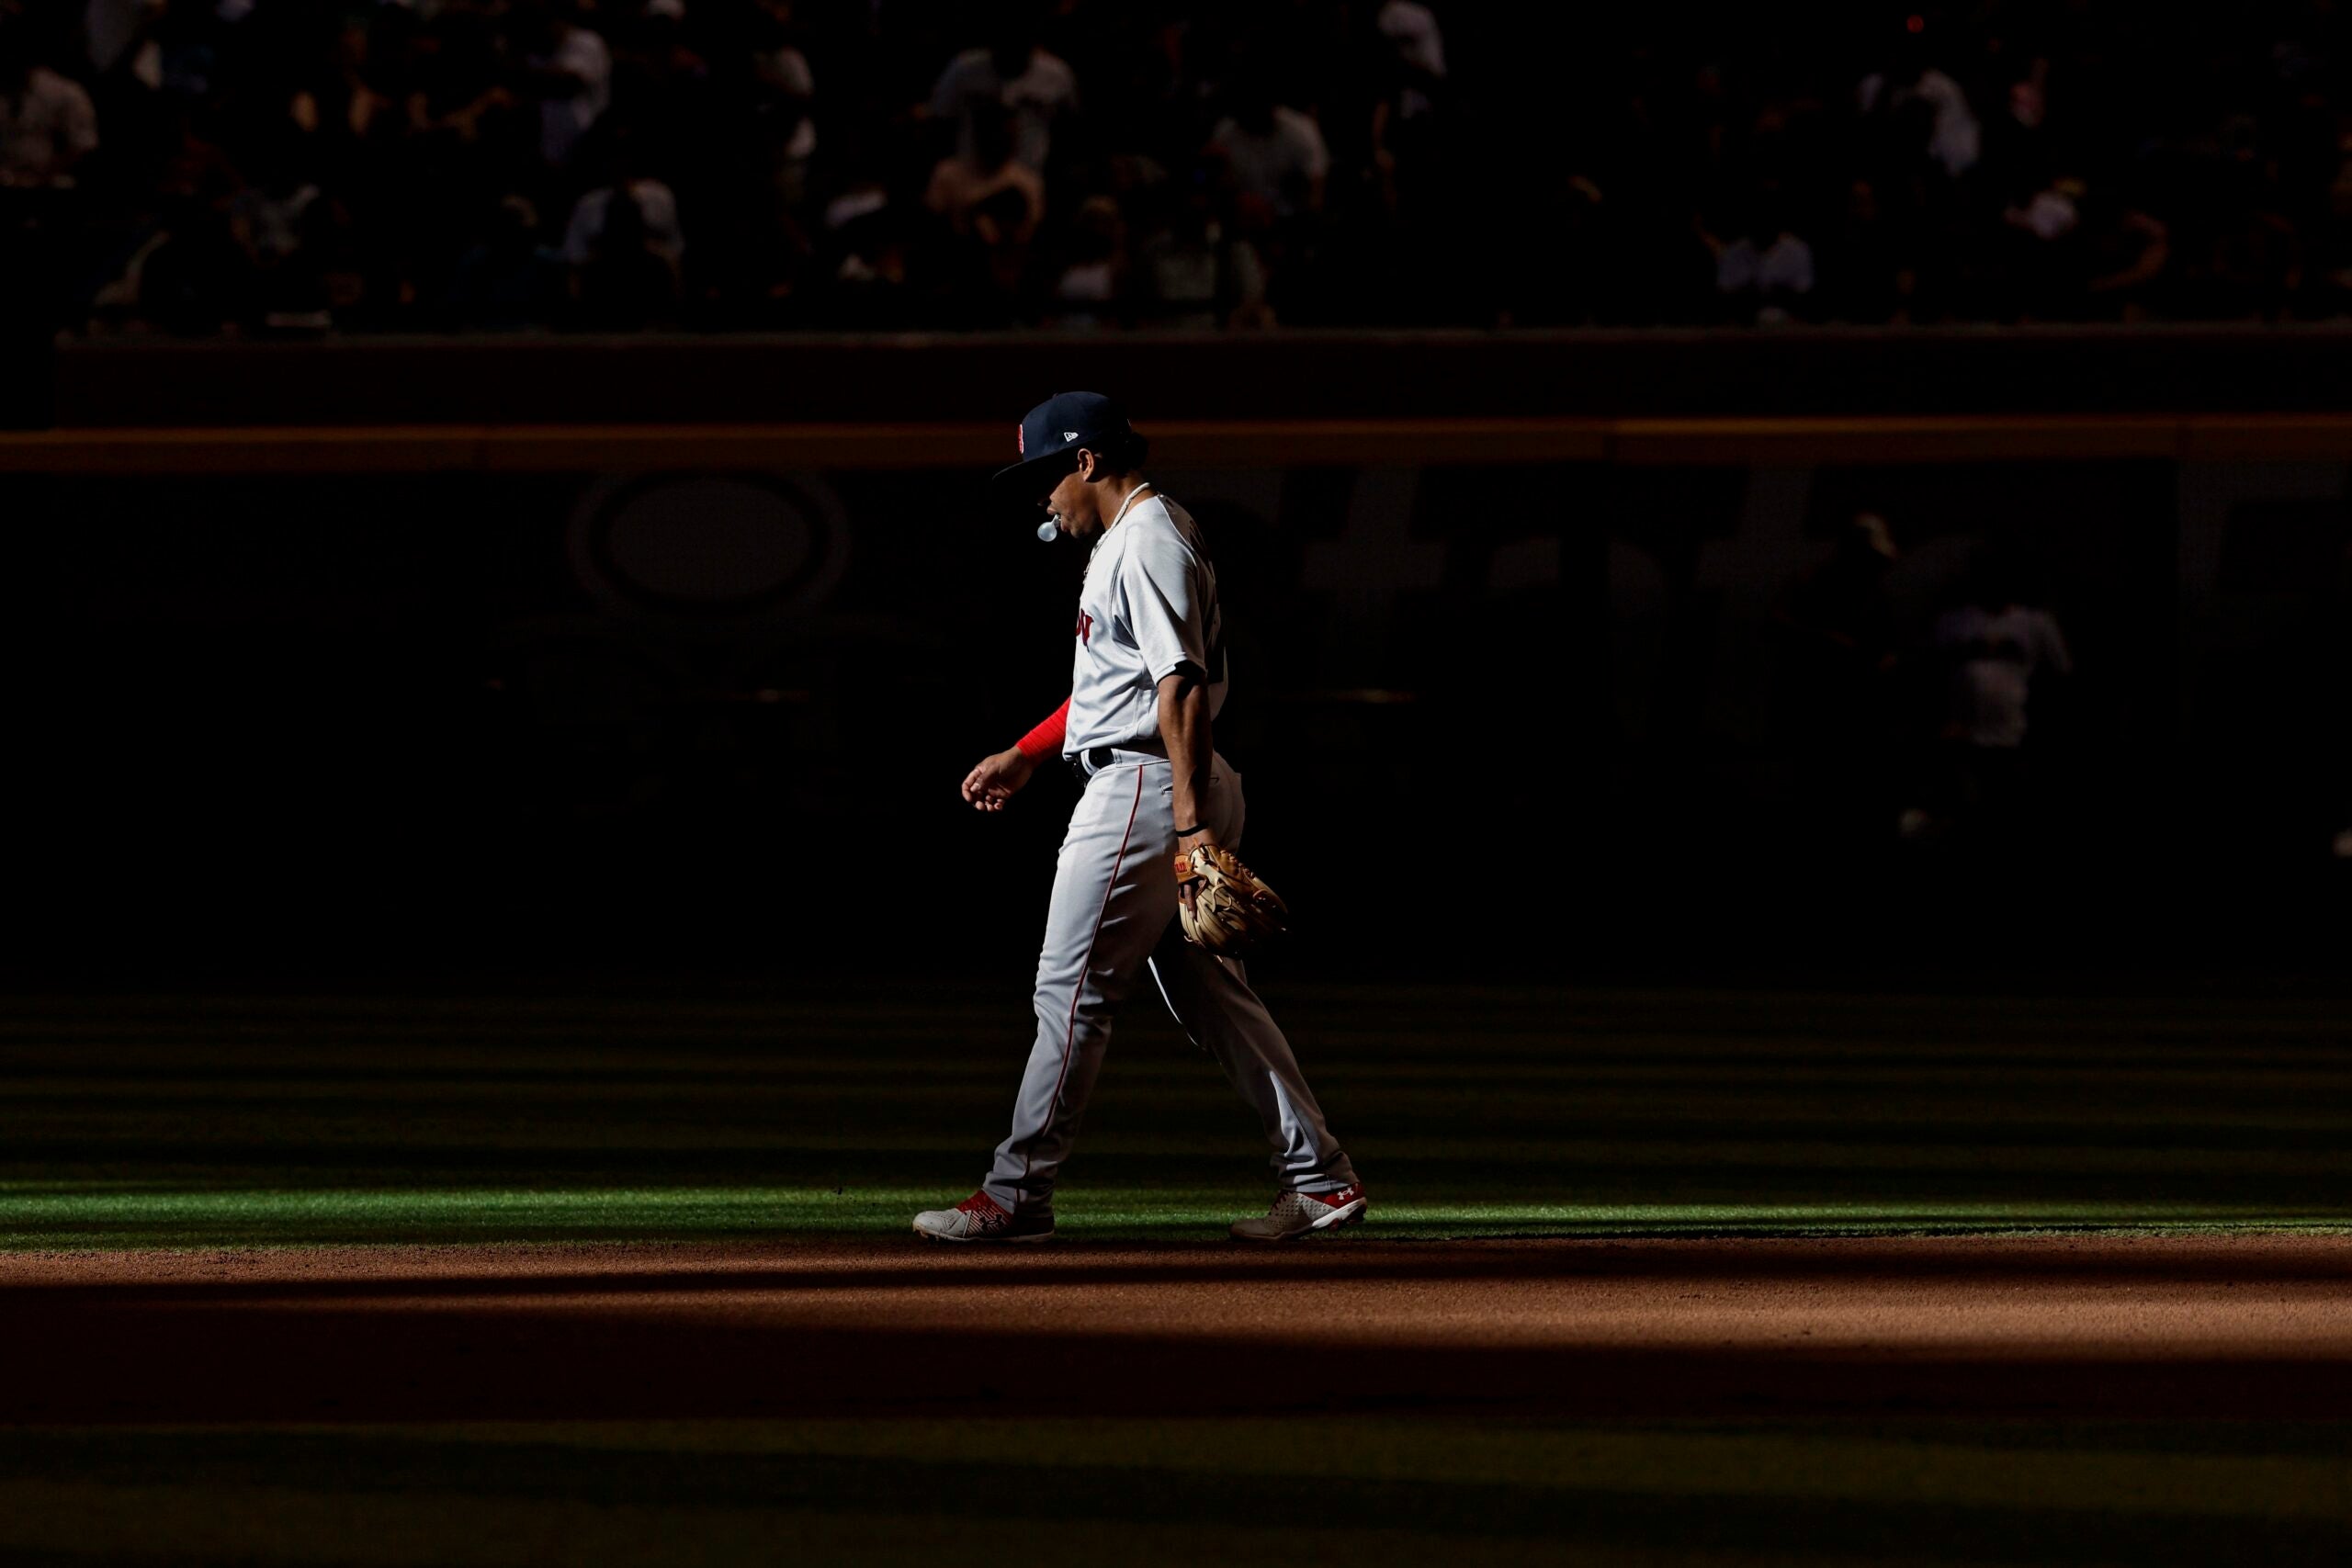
(223,1122)
(277,1122)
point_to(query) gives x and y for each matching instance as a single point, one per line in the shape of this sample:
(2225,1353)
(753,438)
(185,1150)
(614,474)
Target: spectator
(2128,249)
(570,71)
(289,250)
(991,205)
(1920,94)
(1406,156)
(2050,213)
(266,219)
(963,185)
(1997,655)
(1011,74)
(787,97)
(629,280)
(655,218)
(1093,272)
(872,282)
(334,109)
(1996,646)
(504,282)
(1836,672)
(113,30)
(463,88)
(47,123)
(1412,32)
(1274,153)
(1840,613)
(2017,150)
(196,279)
(1865,274)
(2046,250)
(1979,171)
(1195,274)
(1766,274)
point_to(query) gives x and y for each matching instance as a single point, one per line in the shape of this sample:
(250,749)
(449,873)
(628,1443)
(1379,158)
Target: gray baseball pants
(1113,913)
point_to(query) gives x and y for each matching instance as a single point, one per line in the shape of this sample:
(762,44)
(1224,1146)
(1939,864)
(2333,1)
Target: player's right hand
(991,784)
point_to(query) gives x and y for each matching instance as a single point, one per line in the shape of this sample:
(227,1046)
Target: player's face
(1072,507)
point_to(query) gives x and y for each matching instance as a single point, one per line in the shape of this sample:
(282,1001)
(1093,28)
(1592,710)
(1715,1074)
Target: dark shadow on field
(261,1363)
(913,1265)
(1558,1149)
(1695,1514)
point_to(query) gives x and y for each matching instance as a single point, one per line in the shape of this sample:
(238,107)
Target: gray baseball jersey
(1148,608)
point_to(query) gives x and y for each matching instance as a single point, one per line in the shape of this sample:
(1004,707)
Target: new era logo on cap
(1053,429)
(1067,420)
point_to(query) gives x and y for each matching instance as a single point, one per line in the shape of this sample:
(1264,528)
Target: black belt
(1092,761)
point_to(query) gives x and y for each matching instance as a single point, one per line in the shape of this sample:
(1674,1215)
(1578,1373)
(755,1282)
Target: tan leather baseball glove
(1230,912)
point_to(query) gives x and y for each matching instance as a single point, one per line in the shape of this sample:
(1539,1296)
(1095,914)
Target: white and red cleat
(1296,1214)
(981,1218)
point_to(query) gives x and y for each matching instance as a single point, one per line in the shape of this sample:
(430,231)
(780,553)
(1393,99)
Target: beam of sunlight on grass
(39,1215)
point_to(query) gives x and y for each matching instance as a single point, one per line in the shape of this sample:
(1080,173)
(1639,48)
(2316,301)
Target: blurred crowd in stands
(1936,732)
(195,166)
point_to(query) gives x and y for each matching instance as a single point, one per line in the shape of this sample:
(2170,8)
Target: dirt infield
(2062,1326)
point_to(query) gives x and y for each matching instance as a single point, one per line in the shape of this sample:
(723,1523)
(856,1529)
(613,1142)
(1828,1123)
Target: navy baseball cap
(1055,429)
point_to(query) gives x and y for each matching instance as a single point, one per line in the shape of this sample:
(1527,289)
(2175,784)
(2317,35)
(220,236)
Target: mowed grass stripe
(129,1218)
(1406,1014)
(1701,1111)
(563,1147)
(1796,1113)
(1565,1064)
(1504,1037)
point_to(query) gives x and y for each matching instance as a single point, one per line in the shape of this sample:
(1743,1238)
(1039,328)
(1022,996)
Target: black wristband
(1188,832)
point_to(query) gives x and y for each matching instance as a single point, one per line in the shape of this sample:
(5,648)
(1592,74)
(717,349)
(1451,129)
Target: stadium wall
(482,675)
(802,379)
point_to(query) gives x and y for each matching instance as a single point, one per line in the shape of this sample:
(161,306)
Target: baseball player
(1147,678)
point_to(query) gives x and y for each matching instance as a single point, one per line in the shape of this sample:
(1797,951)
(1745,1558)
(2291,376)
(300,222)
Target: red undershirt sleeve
(1046,740)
